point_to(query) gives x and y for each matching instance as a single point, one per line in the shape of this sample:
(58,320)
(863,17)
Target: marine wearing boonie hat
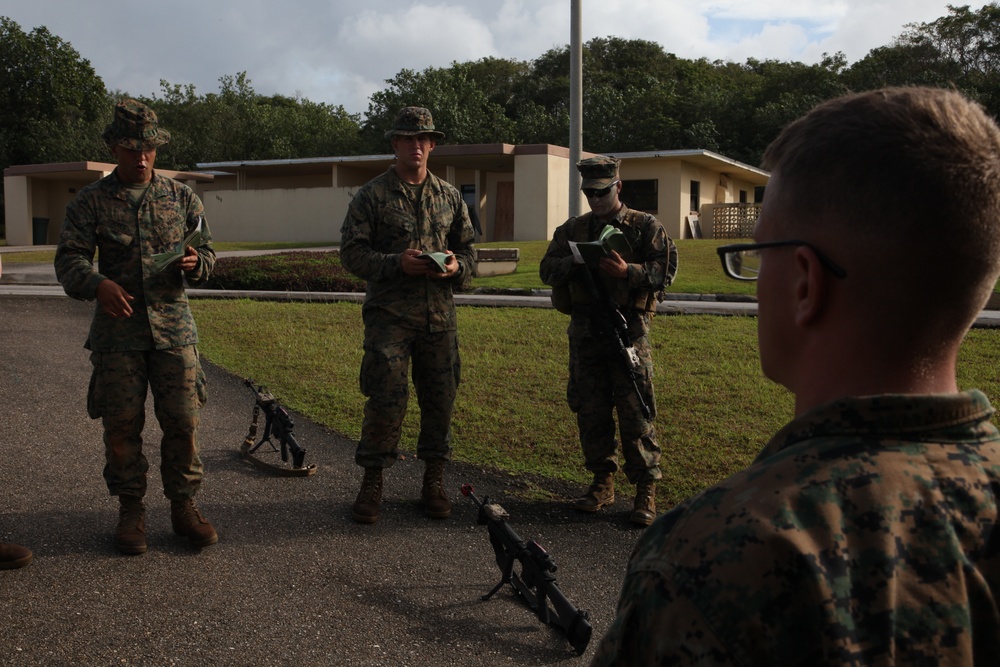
(414,120)
(135,127)
(598,172)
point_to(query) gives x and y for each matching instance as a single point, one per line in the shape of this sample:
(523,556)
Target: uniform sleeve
(357,250)
(556,267)
(656,625)
(206,253)
(658,260)
(74,261)
(460,239)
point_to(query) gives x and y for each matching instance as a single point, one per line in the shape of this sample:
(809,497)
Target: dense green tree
(238,124)
(54,104)
(458,96)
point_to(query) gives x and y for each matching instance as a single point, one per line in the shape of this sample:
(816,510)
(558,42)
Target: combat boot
(435,500)
(644,510)
(13,556)
(189,522)
(366,507)
(130,536)
(600,493)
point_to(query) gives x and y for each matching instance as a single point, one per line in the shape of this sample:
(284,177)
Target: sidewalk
(40,280)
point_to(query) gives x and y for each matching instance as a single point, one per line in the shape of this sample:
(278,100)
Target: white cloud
(341,51)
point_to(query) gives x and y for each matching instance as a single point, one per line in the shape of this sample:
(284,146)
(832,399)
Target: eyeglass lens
(744,263)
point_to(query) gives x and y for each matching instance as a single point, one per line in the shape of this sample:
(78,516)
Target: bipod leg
(505,576)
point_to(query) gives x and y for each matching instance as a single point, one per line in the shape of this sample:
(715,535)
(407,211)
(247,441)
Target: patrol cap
(413,120)
(598,172)
(134,126)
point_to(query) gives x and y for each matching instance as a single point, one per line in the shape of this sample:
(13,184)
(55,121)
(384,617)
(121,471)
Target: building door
(503,217)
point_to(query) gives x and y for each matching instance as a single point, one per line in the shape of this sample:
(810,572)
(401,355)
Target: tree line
(636,97)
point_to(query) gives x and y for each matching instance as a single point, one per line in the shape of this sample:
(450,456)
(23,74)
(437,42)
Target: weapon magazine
(591,252)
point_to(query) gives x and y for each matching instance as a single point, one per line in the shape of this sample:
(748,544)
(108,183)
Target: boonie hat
(413,120)
(598,172)
(135,127)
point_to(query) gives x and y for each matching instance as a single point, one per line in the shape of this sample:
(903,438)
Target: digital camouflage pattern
(863,534)
(598,172)
(135,126)
(409,320)
(118,397)
(156,345)
(652,265)
(598,385)
(414,120)
(102,218)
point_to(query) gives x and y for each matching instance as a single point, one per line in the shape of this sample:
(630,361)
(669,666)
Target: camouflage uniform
(863,534)
(598,383)
(406,317)
(156,346)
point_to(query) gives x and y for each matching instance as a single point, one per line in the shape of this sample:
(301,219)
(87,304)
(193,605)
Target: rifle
(537,581)
(610,326)
(277,423)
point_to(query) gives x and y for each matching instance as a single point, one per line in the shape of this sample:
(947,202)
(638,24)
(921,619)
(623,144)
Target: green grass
(715,410)
(698,269)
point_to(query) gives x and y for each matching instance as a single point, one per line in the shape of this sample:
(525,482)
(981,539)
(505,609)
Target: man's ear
(811,287)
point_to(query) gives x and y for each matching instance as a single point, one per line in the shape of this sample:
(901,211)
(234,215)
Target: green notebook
(439,259)
(591,252)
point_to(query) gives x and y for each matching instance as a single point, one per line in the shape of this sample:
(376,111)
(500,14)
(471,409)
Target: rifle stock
(536,582)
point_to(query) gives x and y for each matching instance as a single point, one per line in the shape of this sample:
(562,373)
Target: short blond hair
(914,174)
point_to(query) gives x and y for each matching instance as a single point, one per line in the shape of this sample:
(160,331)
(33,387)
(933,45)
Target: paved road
(293,580)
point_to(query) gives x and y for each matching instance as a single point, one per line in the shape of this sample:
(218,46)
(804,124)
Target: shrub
(285,272)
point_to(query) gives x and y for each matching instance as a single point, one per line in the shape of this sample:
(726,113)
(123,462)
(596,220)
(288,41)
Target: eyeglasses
(742,260)
(591,193)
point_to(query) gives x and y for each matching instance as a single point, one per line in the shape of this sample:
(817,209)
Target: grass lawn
(715,410)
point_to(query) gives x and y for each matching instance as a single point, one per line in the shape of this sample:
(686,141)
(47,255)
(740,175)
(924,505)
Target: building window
(743,196)
(695,196)
(641,195)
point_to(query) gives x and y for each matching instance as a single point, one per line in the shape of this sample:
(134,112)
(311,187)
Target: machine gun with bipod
(278,425)
(536,583)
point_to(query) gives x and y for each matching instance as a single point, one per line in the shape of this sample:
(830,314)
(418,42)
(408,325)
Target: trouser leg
(384,381)
(436,375)
(117,396)
(640,451)
(178,387)
(589,393)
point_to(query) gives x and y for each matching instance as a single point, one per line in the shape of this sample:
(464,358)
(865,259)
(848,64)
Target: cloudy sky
(341,51)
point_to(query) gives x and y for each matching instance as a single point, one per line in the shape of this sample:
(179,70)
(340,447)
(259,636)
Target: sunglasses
(591,193)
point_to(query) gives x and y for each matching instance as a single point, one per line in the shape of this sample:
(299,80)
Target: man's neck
(411,176)
(611,215)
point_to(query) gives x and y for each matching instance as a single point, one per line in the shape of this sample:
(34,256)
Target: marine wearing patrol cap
(598,172)
(135,127)
(414,120)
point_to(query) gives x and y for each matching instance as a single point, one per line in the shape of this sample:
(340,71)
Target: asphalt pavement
(293,580)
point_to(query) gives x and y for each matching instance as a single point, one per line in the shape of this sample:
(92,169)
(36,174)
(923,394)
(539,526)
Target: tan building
(36,195)
(518,193)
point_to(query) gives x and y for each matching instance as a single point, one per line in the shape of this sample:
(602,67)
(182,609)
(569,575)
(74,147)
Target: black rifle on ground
(610,326)
(537,581)
(279,425)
